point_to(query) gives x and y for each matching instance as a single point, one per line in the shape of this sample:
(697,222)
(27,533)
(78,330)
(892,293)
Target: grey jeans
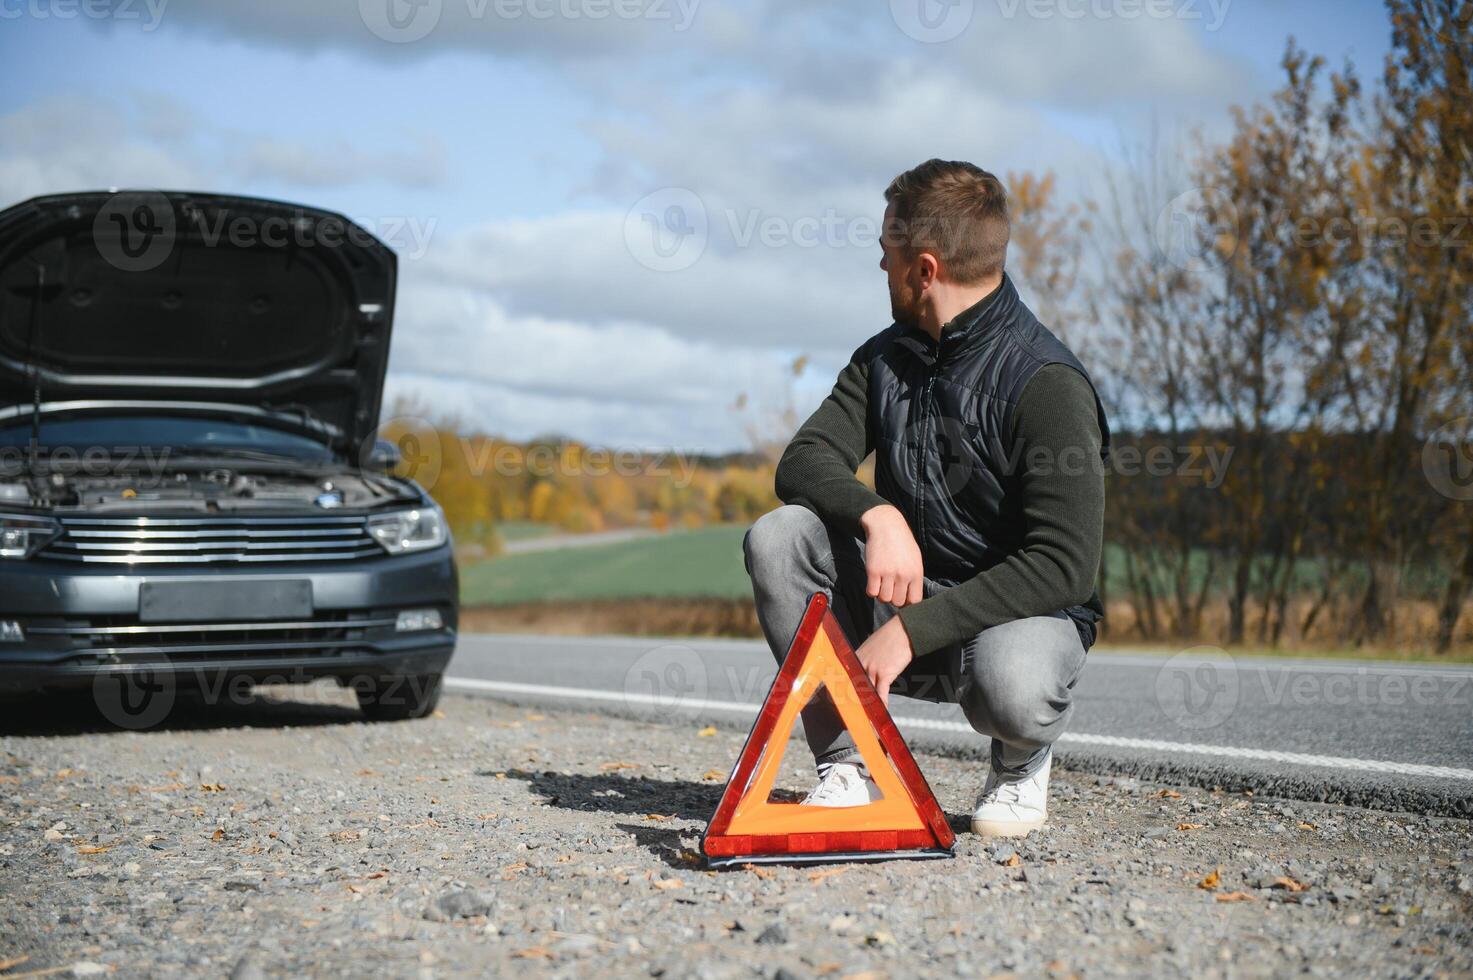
(1014,682)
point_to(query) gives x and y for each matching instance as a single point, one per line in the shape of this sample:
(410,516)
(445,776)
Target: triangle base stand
(830,857)
(748,827)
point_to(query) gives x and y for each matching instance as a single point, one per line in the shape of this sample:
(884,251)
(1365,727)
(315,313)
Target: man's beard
(903,306)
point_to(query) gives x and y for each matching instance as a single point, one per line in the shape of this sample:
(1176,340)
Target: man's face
(905,293)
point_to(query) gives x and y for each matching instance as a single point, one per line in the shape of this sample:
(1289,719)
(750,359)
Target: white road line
(1097,658)
(698,705)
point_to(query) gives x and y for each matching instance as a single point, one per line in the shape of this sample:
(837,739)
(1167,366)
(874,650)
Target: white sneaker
(1013,807)
(842,784)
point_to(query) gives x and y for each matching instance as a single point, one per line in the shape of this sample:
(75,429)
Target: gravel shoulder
(285,837)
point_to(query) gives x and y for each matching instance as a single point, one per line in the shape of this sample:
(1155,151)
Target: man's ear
(928,267)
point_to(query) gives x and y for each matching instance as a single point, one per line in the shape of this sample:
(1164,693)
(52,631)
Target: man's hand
(892,559)
(884,655)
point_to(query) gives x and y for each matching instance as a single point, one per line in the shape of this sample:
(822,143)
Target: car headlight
(409,530)
(22,537)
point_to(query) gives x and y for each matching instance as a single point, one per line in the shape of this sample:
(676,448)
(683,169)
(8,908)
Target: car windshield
(181,435)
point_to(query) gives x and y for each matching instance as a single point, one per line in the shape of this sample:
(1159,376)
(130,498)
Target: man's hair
(955,210)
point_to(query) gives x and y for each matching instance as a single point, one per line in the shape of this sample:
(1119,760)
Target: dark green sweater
(1063,503)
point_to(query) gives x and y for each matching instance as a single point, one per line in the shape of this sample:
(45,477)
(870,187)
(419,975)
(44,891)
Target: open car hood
(196,297)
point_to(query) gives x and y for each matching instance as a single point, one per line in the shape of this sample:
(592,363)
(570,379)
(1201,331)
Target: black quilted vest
(940,417)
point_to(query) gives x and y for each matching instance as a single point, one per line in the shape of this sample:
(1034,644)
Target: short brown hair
(955,210)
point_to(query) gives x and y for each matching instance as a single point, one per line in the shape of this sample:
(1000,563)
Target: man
(969,572)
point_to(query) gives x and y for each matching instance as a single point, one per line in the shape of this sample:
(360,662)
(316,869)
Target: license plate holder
(225,602)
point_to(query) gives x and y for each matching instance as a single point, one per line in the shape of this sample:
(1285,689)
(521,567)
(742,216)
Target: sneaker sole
(1005,828)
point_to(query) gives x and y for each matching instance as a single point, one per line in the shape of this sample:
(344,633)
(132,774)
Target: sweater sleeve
(1057,437)
(817,470)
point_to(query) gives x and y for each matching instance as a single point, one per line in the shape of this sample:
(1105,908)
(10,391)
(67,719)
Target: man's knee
(781,537)
(1019,686)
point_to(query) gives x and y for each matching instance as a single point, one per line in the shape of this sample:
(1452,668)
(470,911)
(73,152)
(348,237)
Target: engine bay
(213,490)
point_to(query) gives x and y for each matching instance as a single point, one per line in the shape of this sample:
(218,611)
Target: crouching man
(968,574)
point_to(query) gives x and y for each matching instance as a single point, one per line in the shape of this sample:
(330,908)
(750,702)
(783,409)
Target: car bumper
(83,623)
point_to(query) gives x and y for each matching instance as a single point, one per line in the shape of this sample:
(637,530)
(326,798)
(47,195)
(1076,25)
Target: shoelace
(835,783)
(1006,793)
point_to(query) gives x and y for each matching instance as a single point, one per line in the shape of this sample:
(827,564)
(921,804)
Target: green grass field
(687,564)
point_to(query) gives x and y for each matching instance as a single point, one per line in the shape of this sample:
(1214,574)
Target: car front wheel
(399,698)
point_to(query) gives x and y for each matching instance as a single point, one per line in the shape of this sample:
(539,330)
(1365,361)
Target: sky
(617,220)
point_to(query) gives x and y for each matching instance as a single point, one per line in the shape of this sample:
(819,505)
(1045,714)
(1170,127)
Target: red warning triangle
(748,827)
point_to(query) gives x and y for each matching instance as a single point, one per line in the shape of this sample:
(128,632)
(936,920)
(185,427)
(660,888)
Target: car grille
(124,638)
(191,540)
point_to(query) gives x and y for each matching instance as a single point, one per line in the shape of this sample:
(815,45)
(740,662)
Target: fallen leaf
(763,873)
(665,884)
(438,714)
(1235,897)
(706,732)
(218,835)
(713,774)
(1306,825)
(533,953)
(1188,826)
(378,874)
(825,873)
(616,766)
(211,788)
(658,817)
(1289,884)
(1169,794)
(1013,862)
(1211,881)
(345,836)
(514,868)
(98,849)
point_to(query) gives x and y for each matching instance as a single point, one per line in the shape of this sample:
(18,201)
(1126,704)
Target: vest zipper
(926,402)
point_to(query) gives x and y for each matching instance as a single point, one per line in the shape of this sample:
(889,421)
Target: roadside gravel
(281,838)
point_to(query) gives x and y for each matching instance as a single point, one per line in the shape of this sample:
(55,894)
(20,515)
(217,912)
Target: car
(193,493)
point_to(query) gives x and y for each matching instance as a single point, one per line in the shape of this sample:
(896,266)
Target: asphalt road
(1386,735)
